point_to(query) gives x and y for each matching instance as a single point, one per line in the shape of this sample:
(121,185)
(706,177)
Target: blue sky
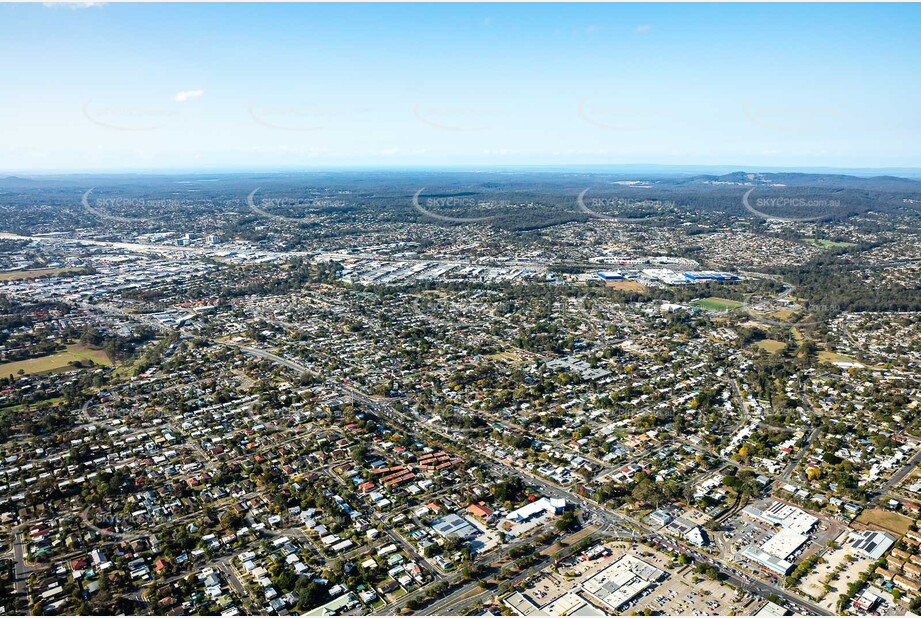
(213,86)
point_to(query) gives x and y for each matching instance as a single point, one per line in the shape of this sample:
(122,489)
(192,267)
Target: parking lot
(740,532)
(550,586)
(680,595)
(841,564)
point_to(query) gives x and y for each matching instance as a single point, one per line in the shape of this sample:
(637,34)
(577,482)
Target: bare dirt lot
(839,568)
(880,518)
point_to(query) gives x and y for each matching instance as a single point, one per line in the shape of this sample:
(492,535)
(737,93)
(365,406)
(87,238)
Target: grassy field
(771,345)
(572,539)
(509,357)
(715,303)
(782,314)
(829,244)
(56,361)
(834,357)
(47,403)
(893,522)
(16,275)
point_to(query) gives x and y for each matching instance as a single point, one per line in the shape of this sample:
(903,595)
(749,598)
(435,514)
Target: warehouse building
(870,543)
(768,561)
(785,516)
(785,543)
(452,525)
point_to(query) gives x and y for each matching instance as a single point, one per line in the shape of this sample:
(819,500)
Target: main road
(604,517)
(21,574)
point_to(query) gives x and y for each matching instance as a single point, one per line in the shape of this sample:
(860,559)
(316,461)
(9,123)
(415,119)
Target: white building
(785,516)
(870,543)
(538,507)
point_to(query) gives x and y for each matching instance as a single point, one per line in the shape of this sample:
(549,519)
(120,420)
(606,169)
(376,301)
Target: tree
(231,519)
(508,489)
(646,492)
(567,521)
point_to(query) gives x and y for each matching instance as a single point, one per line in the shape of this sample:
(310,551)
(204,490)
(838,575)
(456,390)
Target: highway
(266,355)
(605,518)
(609,519)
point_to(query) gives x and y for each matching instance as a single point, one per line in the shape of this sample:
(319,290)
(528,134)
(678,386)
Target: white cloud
(185,95)
(72,5)
(593,29)
(643,28)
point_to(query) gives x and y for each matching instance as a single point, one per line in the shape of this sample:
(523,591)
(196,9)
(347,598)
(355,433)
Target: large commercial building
(785,543)
(768,561)
(710,275)
(772,609)
(538,507)
(870,543)
(784,515)
(622,581)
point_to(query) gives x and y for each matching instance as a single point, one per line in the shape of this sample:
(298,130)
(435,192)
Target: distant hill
(791,179)
(18,182)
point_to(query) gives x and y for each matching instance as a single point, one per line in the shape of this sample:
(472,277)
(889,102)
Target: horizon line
(536,167)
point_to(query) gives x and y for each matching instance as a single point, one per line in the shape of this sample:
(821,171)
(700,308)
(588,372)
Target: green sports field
(56,361)
(715,303)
